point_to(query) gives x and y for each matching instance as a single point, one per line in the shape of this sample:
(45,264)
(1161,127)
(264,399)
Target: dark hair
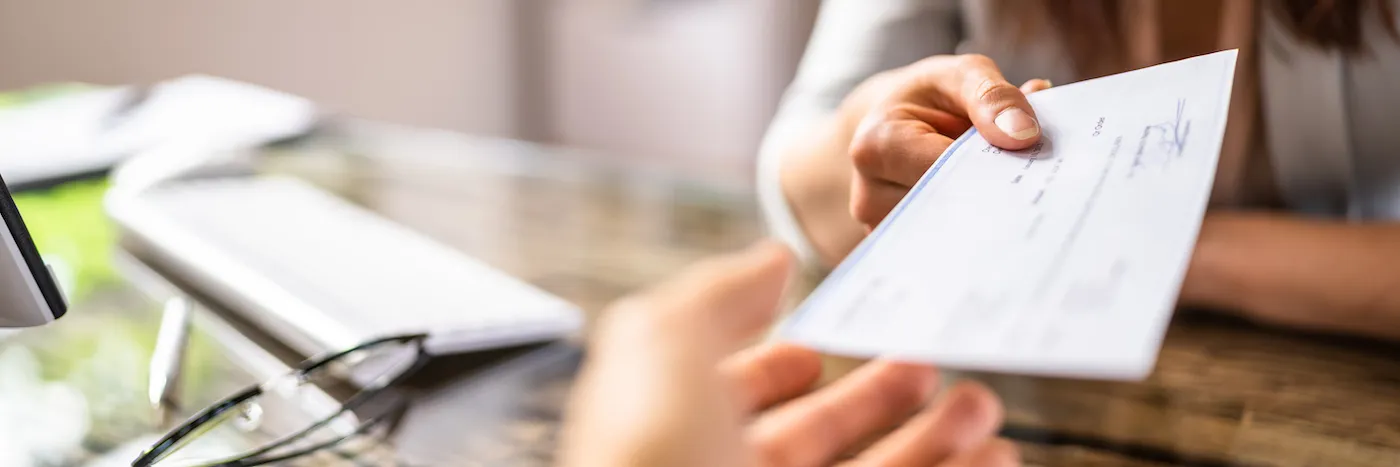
(1093,28)
(1334,23)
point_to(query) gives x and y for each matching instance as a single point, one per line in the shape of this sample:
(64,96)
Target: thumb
(997,108)
(719,303)
(1035,85)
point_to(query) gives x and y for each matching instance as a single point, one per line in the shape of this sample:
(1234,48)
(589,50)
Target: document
(1064,259)
(54,139)
(91,131)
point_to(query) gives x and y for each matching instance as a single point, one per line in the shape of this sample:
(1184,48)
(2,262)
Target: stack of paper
(89,132)
(1064,259)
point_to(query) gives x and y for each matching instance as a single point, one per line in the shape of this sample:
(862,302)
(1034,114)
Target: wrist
(815,180)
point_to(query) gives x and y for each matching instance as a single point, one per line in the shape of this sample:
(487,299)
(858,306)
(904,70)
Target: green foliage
(67,222)
(40,92)
(71,230)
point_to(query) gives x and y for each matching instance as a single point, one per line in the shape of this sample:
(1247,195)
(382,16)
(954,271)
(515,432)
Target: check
(1063,259)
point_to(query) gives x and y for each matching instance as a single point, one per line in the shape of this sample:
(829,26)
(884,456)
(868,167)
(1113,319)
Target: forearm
(1325,275)
(853,41)
(817,171)
(816,183)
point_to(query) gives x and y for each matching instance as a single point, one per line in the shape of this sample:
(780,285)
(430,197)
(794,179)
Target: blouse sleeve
(851,41)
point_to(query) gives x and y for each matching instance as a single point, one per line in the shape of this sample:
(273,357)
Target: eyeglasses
(219,434)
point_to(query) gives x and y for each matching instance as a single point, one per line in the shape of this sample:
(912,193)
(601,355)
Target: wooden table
(1224,393)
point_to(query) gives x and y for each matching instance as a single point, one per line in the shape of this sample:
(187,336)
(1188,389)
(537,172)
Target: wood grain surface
(1224,393)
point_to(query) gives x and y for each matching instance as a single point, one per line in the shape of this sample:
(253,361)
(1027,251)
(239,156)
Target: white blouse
(1332,121)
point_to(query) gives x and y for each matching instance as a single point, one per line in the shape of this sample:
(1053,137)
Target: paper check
(1063,259)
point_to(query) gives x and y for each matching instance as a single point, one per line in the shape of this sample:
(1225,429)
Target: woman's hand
(918,113)
(666,383)
(843,179)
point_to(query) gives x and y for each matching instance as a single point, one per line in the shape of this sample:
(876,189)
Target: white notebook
(322,274)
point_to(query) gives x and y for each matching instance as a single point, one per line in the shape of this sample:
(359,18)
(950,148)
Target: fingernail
(1017,124)
(768,247)
(769,251)
(927,379)
(963,406)
(1048,84)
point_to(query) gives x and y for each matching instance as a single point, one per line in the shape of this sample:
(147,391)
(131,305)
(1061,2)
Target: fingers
(900,141)
(998,110)
(993,453)
(873,199)
(814,430)
(769,374)
(1035,85)
(935,101)
(967,416)
(716,305)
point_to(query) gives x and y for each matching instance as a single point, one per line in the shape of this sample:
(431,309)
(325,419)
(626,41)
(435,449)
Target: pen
(168,356)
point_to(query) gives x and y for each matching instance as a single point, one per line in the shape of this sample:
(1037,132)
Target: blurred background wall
(686,83)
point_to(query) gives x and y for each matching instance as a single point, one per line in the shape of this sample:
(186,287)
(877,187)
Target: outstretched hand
(914,114)
(668,382)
